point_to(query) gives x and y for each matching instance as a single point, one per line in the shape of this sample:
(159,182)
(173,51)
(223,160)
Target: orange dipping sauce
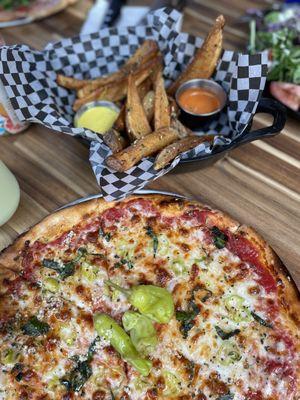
(199,100)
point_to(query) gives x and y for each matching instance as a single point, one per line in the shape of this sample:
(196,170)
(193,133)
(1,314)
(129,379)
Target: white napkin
(95,17)
(131,16)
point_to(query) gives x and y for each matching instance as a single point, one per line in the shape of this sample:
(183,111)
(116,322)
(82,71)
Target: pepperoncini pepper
(153,301)
(142,331)
(234,304)
(228,353)
(108,328)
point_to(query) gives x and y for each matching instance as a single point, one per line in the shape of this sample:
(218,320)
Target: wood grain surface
(258,184)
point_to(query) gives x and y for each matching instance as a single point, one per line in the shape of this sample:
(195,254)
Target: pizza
(151,297)
(11,10)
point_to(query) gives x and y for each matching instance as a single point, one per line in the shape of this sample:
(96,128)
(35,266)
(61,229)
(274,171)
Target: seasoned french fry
(119,124)
(170,152)
(71,83)
(136,120)
(113,78)
(147,51)
(92,85)
(174,109)
(148,46)
(116,91)
(148,104)
(144,87)
(109,92)
(114,140)
(182,130)
(143,90)
(143,147)
(161,103)
(205,59)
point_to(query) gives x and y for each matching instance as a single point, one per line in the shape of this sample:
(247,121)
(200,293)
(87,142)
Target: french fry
(113,78)
(116,91)
(143,147)
(147,51)
(143,90)
(144,87)
(71,83)
(173,150)
(205,59)
(174,109)
(148,104)
(114,140)
(109,92)
(119,124)
(137,124)
(182,130)
(92,85)
(148,47)
(161,103)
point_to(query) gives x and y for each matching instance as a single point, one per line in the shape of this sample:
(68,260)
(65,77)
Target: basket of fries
(139,69)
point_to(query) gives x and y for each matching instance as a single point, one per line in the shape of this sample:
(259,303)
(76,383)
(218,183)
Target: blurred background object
(277,30)
(96,16)
(107,13)
(10,194)
(21,12)
(9,123)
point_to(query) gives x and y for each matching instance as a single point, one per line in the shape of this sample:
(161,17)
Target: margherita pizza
(152,297)
(11,10)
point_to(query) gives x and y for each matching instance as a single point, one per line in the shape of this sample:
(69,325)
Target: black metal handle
(268,106)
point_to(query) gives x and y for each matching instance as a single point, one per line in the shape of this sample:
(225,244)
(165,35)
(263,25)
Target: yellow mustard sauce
(98,119)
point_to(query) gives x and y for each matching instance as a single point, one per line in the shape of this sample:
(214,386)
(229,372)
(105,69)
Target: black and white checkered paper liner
(29,78)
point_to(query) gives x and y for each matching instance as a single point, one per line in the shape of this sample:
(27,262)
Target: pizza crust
(6,276)
(54,225)
(288,291)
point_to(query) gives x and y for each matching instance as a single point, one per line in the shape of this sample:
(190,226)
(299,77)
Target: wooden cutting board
(258,184)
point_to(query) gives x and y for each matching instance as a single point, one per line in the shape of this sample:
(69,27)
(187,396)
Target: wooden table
(258,184)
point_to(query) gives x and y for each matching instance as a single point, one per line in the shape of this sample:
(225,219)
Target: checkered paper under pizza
(29,78)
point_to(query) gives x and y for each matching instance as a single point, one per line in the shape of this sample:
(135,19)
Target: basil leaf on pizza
(261,320)
(35,327)
(65,269)
(219,238)
(226,335)
(154,238)
(76,379)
